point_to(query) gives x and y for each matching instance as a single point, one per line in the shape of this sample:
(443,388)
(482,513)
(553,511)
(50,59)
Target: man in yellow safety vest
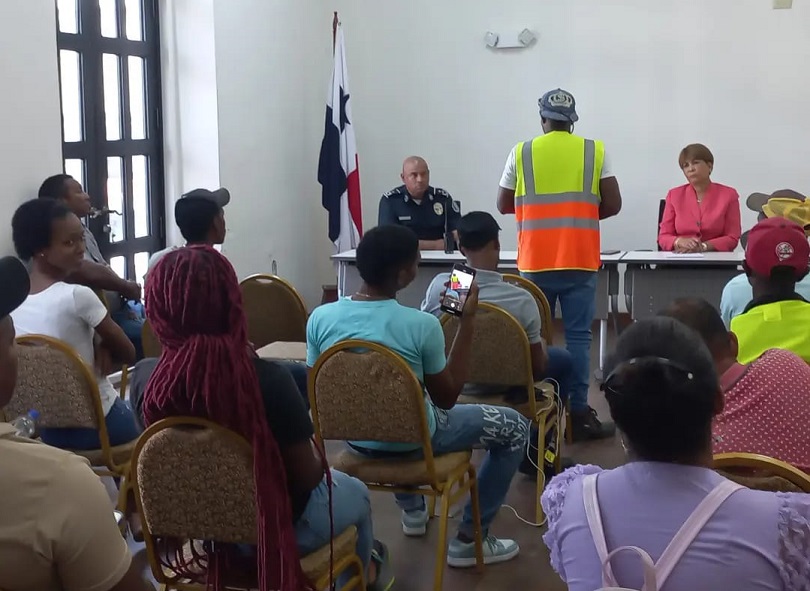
(559,185)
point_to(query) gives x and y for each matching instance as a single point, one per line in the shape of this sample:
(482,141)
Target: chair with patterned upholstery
(362,391)
(193,483)
(149,342)
(54,380)
(547,329)
(547,320)
(761,472)
(501,356)
(274,310)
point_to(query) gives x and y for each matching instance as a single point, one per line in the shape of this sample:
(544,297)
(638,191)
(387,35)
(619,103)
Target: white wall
(650,76)
(272,67)
(190,130)
(29,105)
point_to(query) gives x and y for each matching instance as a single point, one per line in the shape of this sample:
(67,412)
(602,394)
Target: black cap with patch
(477,229)
(14,285)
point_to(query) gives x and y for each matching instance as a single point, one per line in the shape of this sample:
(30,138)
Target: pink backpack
(655,573)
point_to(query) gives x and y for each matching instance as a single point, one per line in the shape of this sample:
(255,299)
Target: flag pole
(335,22)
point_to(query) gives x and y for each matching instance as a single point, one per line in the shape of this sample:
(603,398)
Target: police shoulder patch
(441,192)
(396,192)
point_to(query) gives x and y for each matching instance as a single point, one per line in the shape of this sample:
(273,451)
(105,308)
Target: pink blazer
(715,221)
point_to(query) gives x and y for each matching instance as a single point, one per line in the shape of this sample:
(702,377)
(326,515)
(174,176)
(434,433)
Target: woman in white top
(51,237)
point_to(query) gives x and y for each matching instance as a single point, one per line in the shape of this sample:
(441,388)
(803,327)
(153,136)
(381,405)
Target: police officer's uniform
(425,218)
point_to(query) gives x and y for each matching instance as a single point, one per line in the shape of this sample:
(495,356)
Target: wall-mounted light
(509,40)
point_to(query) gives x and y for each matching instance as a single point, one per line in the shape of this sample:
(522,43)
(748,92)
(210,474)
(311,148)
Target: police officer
(424,209)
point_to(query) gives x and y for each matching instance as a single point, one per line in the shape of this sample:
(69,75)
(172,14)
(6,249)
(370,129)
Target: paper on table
(684,255)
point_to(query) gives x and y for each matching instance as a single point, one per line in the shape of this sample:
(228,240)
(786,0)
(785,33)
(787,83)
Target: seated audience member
(49,235)
(200,215)
(57,529)
(766,403)
(663,392)
(776,257)
(387,259)
(700,216)
(478,234)
(94,271)
(786,204)
(479,242)
(208,370)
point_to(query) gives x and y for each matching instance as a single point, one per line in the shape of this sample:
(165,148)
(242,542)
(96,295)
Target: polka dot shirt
(767,411)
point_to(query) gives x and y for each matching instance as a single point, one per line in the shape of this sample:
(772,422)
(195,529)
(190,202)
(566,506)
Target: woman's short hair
(384,251)
(661,388)
(32,223)
(695,152)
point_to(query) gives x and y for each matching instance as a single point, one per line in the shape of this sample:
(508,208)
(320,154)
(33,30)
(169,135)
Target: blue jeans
(576,292)
(350,506)
(560,368)
(130,318)
(121,429)
(499,430)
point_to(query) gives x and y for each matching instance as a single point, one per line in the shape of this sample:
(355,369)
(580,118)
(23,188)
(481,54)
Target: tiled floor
(414,558)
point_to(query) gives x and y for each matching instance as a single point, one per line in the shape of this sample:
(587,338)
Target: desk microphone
(449,240)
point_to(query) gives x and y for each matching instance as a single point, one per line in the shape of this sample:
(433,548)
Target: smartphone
(458,287)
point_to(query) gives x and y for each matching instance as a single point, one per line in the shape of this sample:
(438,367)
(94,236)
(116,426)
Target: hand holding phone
(458,290)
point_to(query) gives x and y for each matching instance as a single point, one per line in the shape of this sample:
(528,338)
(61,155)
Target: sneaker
(461,555)
(385,575)
(586,426)
(414,523)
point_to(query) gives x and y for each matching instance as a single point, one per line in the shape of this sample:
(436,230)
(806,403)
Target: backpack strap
(650,579)
(692,527)
(594,515)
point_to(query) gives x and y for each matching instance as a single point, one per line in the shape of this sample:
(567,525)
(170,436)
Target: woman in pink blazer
(700,216)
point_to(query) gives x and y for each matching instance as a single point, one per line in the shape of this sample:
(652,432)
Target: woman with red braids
(208,370)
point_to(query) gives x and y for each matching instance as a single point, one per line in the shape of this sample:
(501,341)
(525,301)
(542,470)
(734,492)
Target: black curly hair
(32,224)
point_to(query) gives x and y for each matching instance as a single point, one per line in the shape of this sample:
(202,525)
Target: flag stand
(335,23)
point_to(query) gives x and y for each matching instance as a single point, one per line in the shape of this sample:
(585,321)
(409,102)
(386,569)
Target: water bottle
(26,425)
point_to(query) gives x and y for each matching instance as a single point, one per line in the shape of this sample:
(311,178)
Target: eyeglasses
(611,378)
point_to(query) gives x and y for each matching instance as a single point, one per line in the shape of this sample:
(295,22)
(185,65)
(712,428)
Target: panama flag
(338,166)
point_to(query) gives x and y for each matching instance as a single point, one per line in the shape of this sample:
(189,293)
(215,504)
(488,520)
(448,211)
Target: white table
(653,279)
(435,261)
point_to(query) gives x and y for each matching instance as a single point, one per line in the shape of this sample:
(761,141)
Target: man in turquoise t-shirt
(387,259)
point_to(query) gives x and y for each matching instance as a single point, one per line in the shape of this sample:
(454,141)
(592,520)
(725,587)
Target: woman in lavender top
(663,392)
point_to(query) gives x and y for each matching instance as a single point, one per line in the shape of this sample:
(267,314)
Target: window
(109,70)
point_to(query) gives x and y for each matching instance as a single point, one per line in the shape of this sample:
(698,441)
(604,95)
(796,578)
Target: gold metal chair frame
(288,287)
(111,467)
(544,417)
(767,464)
(462,478)
(340,564)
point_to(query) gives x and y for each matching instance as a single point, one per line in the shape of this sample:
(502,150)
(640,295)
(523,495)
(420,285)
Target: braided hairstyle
(662,389)
(194,305)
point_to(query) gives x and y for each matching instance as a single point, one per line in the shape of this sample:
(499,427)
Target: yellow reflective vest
(779,325)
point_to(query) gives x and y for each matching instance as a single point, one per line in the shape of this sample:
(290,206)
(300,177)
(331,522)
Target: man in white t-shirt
(57,529)
(200,215)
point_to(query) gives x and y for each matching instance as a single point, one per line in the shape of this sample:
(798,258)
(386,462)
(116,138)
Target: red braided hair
(194,305)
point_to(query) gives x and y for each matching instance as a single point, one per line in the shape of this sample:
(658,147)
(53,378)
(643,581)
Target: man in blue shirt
(387,259)
(428,211)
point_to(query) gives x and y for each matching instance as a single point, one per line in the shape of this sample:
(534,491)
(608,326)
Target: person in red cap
(776,257)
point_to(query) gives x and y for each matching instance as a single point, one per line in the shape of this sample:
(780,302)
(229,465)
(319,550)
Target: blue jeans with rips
(576,292)
(499,430)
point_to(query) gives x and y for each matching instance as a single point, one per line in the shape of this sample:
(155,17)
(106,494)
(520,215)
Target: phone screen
(458,287)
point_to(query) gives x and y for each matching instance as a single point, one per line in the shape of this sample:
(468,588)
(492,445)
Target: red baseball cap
(777,242)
